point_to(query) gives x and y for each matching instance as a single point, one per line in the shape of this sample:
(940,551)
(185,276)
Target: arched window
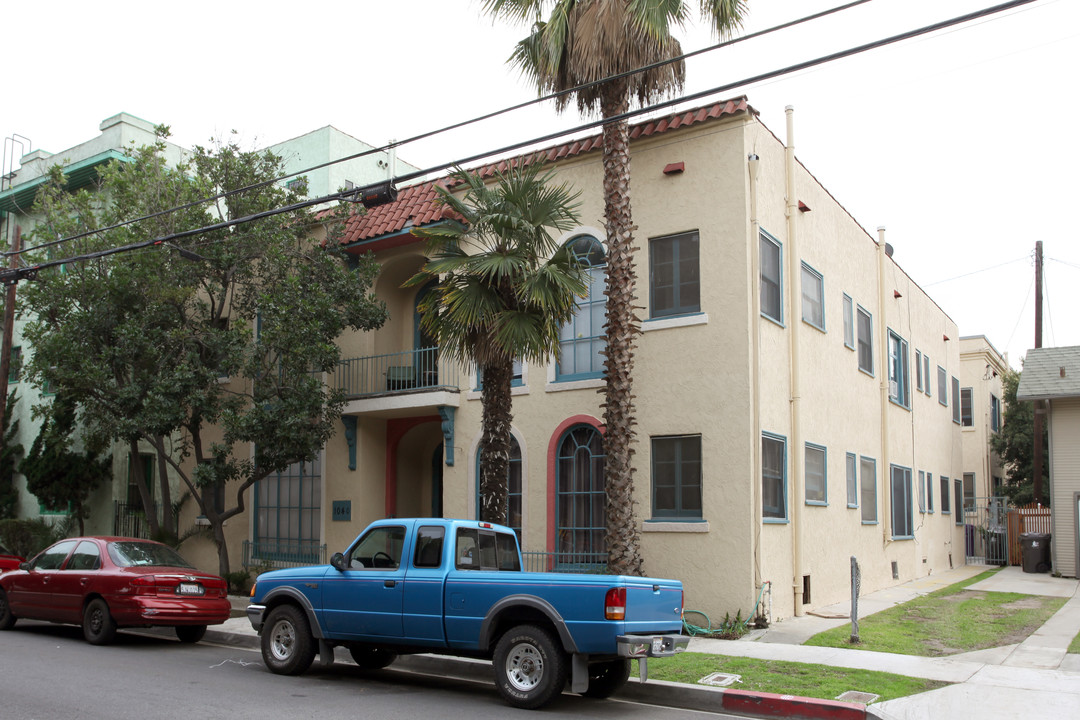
(513,488)
(580,516)
(583,337)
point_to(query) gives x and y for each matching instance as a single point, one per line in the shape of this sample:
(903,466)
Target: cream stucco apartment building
(798,394)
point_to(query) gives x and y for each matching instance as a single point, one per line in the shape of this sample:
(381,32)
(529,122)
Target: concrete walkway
(1036,678)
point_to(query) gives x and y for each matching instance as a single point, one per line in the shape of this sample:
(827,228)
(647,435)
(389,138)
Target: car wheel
(371,658)
(98,626)
(530,668)
(190,633)
(7,620)
(605,678)
(288,647)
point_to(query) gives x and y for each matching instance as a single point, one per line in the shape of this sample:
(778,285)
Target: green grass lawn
(1074,646)
(948,621)
(786,678)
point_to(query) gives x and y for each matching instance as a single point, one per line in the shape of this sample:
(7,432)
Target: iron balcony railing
(129,519)
(409,371)
(282,553)
(565,562)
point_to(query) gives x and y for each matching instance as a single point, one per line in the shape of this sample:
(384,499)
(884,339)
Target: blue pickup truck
(455,587)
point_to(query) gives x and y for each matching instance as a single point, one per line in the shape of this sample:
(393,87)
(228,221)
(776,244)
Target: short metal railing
(409,371)
(565,562)
(129,519)
(282,553)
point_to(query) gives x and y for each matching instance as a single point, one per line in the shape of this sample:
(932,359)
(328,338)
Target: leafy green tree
(504,289)
(214,343)
(61,477)
(1015,444)
(9,457)
(582,42)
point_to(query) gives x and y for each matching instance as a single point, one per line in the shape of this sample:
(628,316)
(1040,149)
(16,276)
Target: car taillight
(144,585)
(615,604)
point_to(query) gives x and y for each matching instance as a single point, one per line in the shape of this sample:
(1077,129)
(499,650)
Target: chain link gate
(986,531)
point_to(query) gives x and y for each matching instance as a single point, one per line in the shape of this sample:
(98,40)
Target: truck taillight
(615,604)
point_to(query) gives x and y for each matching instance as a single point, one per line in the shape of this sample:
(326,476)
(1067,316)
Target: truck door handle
(389,583)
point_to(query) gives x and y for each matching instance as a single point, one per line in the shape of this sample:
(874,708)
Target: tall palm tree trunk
(623,547)
(495,441)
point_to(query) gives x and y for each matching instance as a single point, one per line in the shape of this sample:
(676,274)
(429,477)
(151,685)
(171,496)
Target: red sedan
(8,561)
(105,583)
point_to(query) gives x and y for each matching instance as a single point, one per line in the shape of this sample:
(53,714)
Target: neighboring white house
(1052,375)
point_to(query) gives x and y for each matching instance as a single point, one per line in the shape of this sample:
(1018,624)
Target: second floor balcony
(412,371)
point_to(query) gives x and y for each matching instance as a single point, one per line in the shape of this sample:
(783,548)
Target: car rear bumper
(168,611)
(651,645)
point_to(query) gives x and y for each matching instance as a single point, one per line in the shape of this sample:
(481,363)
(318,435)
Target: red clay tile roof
(416,205)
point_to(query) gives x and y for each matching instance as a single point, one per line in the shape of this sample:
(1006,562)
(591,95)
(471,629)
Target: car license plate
(190,589)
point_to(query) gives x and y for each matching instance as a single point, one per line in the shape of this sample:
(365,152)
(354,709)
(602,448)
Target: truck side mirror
(338,561)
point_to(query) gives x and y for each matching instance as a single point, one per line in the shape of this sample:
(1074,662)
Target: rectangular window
(969,492)
(773,477)
(918,371)
(958,501)
(134,497)
(15,369)
(899,374)
(866,341)
(926,374)
(995,413)
(676,476)
(771,288)
(868,489)
(813,297)
(674,275)
(956,401)
(966,418)
(817,487)
(942,386)
(921,488)
(901,502)
(929,492)
(849,322)
(946,502)
(852,467)
(288,512)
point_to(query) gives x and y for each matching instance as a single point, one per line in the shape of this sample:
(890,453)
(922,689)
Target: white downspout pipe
(755,362)
(883,353)
(794,320)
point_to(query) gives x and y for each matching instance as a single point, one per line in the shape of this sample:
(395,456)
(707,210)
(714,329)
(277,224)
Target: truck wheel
(605,678)
(7,619)
(530,668)
(190,633)
(288,647)
(98,626)
(371,658)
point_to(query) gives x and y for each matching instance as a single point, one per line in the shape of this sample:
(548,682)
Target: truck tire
(530,667)
(605,678)
(98,625)
(288,647)
(367,657)
(7,619)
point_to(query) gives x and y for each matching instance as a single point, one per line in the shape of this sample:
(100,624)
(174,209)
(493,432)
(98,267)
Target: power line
(455,126)
(10,276)
(976,272)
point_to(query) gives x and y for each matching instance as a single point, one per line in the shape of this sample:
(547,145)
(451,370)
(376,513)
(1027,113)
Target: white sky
(961,144)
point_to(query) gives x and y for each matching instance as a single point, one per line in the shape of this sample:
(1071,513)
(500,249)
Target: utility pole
(9,326)
(1037,461)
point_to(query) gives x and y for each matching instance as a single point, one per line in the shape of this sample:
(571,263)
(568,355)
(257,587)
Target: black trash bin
(1035,552)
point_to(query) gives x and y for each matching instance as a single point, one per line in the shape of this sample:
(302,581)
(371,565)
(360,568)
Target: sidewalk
(1036,676)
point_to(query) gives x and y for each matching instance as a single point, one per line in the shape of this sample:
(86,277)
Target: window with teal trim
(956,400)
(946,504)
(851,466)
(865,327)
(771,277)
(513,487)
(929,492)
(582,339)
(674,275)
(815,472)
(580,504)
(868,489)
(813,297)
(995,413)
(773,477)
(899,374)
(676,477)
(900,497)
(15,368)
(958,502)
(288,512)
(849,322)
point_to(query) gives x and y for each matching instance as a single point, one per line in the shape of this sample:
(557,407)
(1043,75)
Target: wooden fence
(1029,519)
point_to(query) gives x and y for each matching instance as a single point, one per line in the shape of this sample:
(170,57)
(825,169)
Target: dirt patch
(1028,603)
(936,648)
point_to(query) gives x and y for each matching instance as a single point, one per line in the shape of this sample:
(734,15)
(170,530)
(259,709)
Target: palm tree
(504,289)
(583,42)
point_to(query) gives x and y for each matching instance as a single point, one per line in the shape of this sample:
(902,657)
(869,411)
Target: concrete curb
(655,692)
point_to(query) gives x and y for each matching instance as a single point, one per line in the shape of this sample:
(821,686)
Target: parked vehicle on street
(105,583)
(8,561)
(455,587)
